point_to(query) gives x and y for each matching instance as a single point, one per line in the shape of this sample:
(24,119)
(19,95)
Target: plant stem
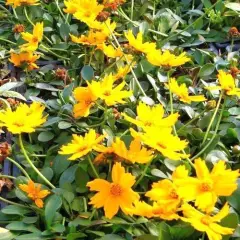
(32,165)
(60,10)
(132,8)
(133,73)
(6,40)
(212,119)
(143,174)
(92,166)
(53,53)
(19,166)
(214,134)
(192,120)
(7,176)
(27,17)
(13,203)
(4,9)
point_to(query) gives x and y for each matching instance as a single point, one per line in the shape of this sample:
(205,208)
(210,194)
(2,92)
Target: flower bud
(211,104)
(236,150)
(233,32)
(5,150)
(18,28)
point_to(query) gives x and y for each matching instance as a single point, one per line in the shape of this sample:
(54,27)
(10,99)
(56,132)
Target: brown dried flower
(18,28)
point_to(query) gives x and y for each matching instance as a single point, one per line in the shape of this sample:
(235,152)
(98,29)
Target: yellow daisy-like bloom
(25,119)
(207,223)
(207,187)
(135,154)
(122,72)
(105,154)
(166,59)
(80,146)
(34,192)
(18,3)
(156,210)
(163,141)
(182,92)
(107,92)
(152,117)
(110,51)
(85,100)
(137,43)
(25,60)
(164,192)
(33,39)
(227,84)
(114,195)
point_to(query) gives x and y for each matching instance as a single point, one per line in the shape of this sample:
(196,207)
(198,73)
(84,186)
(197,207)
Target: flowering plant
(127,125)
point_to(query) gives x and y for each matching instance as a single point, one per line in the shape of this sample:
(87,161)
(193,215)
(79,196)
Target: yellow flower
(207,223)
(135,154)
(105,154)
(156,210)
(106,91)
(33,39)
(163,141)
(166,59)
(116,194)
(17,3)
(227,84)
(24,60)
(137,43)
(110,51)
(25,119)
(122,72)
(164,192)
(207,187)
(34,192)
(85,100)
(182,92)
(152,117)
(80,146)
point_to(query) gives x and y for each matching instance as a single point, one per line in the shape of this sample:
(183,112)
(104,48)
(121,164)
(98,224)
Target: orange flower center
(107,93)
(82,148)
(206,187)
(148,124)
(35,39)
(206,220)
(161,145)
(18,124)
(116,190)
(173,194)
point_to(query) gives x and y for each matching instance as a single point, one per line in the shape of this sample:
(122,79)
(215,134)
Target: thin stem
(13,203)
(15,14)
(6,40)
(7,176)
(4,9)
(132,8)
(191,121)
(60,10)
(19,166)
(92,166)
(133,73)
(27,17)
(213,136)
(203,236)
(212,119)
(190,25)
(143,174)
(32,165)
(53,53)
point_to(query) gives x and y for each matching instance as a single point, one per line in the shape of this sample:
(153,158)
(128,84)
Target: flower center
(82,148)
(18,124)
(161,145)
(206,220)
(148,124)
(107,93)
(173,194)
(206,187)
(35,39)
(116,190)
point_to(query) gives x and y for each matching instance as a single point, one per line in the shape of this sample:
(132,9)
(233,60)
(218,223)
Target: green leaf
(75,236)
(67,92)
(234,111)
(47,172)
(64,31)
(111,237)
(81,179)
(68,176)
(230,221)
(80,222)
(53,203)
(164,232)
(45,136)
(233,6)
(206,70)
(147,237)
(60,164)
(46,86)
(87,73)
(64,125)
(32,236)
(12,94)
(181,231)
(234,198)
(20,226)
(59,228)
(16,210)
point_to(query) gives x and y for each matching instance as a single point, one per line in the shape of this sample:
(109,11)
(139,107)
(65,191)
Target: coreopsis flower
(165,192)
(166,59)
(122,72)
(152,117)
(114,195)
(182,92)
(105,154)
(207,186)
(85,100)
(234,71)
(33,39)
(5,150)
(81,146)
(156,210)
(233,32)
(18,28)
(25,119)
(137,43)
(136,152)
(227,84)
(110,51)
(93,38)
(25,60)
(163,141)
(207,223)
(18,3)
(109,93)
(34,192)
